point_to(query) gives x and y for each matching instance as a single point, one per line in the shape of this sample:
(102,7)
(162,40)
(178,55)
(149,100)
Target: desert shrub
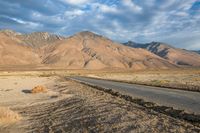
(196,79)
(160,82)
(39,89)
(156,82)
(8,116)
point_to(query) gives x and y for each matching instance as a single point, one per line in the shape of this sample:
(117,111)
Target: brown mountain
(35,39)
(91,51)
(13,53)
(174,55)
(39,39)
(84,50)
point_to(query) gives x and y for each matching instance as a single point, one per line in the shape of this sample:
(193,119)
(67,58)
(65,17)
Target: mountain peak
(133,44)
(174,55)
(9,32)
(160,44)
(43,35)
(38,39)
(88,34)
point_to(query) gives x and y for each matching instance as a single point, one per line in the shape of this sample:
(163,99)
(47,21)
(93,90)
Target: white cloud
(168,3)
(177,4)
(186,4)
(18,20)
(149,2)
(26,23)
(41,17)
(181,14)
(105,8)
(100,17)
(108,9)
(132,6)
(37,15)
(76,2)
(74,13)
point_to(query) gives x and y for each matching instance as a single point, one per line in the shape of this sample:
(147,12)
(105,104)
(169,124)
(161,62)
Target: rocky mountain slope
(91,51)
(174,55)
(13,53)
(35,39)
(39,39)
(198,51)
(84,50)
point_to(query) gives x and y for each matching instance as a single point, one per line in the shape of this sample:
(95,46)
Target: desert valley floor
(69,106)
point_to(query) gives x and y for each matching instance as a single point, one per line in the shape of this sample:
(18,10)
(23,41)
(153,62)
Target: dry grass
(186,79)
(39,89)
(8,116)
(92,110)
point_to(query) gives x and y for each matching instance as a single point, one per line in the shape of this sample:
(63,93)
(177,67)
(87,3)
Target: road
(179,99)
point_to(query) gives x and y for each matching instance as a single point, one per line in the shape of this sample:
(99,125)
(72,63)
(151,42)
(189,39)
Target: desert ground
(69,106)
(186,79)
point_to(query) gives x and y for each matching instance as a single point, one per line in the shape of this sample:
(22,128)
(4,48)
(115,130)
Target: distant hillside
(13,53)
(133,44)
(35,39)
(84,50)
(198,51)
(91,51)
(172,54)
(39,39)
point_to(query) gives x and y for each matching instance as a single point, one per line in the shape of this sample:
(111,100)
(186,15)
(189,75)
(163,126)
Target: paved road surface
(179,99)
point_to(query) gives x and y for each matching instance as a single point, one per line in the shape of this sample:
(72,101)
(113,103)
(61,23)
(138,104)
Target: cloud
(74,13)
(76,2)
(175,22)
(105,8)
(130,4)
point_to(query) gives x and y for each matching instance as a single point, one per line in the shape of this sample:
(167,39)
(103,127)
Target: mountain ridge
(95,51)
(196,51)
(34,39)
(13,53)
(83,50)
(174,55)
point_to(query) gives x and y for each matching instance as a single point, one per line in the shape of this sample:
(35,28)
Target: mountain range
(86,50)
(174,55)
(196,51)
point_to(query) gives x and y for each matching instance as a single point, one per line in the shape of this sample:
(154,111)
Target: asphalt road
(179,99)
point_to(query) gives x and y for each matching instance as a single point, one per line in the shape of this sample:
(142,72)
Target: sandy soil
(14,90)
(14,93)
(72,107)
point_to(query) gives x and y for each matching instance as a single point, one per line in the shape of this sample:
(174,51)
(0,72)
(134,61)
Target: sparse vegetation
(192,118)
(8,116)
(39,89)
(70,106)
(185,79)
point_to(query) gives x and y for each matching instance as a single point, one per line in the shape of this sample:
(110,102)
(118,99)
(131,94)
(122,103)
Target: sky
(176,22)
